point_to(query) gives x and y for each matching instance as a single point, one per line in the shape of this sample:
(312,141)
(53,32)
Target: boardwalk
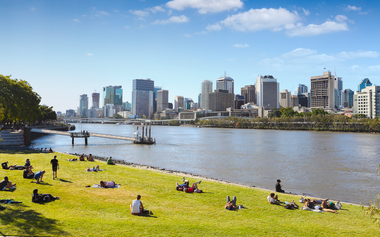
(47,131)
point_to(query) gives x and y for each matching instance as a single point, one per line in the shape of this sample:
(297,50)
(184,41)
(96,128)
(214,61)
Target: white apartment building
(367,101)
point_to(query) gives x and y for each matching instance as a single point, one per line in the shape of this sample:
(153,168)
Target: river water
(341,166)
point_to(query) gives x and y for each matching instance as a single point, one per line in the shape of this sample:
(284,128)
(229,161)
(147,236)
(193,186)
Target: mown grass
(85,211)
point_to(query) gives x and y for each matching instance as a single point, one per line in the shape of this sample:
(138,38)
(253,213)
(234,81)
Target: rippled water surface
(341,166)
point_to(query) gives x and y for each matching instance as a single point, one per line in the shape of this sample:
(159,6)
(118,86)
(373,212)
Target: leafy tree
(47,113)
(287,112)
(18,101)
(117,116)
(318,112)
(275,114)
(359,116)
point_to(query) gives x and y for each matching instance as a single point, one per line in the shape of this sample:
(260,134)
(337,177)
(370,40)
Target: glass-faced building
(363,84)
(83,105)
(142,97)
(112,95)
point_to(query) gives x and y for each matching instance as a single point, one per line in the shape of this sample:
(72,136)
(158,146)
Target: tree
(275,114)
(47,113)
(117,116)
(18,101)
(359,116)
(318,112)
(287,112)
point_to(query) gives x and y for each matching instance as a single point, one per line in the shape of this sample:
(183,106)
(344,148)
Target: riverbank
(80,209)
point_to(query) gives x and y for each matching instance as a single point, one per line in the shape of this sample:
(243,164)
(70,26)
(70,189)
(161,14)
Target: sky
(68,48)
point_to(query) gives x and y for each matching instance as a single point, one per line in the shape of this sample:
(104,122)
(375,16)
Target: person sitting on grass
(231,205)
(95,169)
(279,187)
(41,198)
(137,207)
(27,163)
(185,184)
(28,173)
(194,188)
(107,184)
(81,157)
(273,199)
(6,184)
(90,158)
(50,150)
(110,161)
(38,176)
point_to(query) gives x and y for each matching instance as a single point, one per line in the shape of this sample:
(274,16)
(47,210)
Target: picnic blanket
(98,186)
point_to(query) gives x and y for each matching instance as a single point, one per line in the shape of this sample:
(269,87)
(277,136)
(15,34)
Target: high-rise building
(285,97)
(178,102)
(338,85)
(156,88)
(322,91)
(267,91)
(347,98)
(302,89)
(225,83)
(109,110)
(142,97)
(249,93)
(367,101)
(220,100)
(239,101)
(363,84)
(83,105)
(112,95)
(304,99)
(199,100)
(294,101)
(206,89)
(95,100)
(127,106)
(162,100)
(189,104)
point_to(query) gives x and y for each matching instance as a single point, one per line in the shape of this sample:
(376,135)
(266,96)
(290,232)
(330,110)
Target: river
(341,166)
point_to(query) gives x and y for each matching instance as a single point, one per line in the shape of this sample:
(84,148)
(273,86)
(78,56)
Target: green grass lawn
(83,211)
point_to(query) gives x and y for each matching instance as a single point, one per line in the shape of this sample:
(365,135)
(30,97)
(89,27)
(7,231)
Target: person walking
(55,166)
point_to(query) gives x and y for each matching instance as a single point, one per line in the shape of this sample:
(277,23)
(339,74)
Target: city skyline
(84,46)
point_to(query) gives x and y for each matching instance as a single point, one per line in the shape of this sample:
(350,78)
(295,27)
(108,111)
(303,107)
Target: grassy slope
(89,211)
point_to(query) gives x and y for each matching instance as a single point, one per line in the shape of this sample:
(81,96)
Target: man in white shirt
(137,207)
(273,199)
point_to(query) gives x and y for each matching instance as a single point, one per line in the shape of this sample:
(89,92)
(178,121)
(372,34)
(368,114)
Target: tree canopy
(18,101)
(47,113)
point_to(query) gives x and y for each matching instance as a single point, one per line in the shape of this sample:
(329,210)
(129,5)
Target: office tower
(109,110)
(83,105)
(347,98)
(301,89)
(70,113)
(156,88)
(322,91)
(285,98)
(363,84)
(225,83)
(112,95)
(170,105)
(127,106)
(178,102)
(367,101)
(239,101)
(220,100)
(338,86)
(95,100)
(199,100)
(189,103)
(267,91)
(142,97)
(294,101)
(249,93)
(162,100)
(303,99)
(206,89)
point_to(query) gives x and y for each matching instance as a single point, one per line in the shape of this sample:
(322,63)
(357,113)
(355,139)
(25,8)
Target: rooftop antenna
(225,73)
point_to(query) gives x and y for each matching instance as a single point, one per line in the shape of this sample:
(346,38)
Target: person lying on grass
(38,176)
(28,173)
(312,205)
(194,188)
(137,207)
(95,169)
(40,198)
(108,184)
(6,184)
(12,167)
(273,199)
(185,184)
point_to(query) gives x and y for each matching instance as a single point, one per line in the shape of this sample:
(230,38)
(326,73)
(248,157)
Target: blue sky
(68,48)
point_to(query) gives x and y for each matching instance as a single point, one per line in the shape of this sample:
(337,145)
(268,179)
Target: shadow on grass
(10,190)
(147,216)
(43,183)
(64,180)
(17,150)
(28,222)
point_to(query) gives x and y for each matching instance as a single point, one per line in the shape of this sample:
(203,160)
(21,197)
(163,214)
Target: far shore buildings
(367,101)
(322,91)
(95,100)
(206,89)
(267,92)
(83,105)
(225,83)
(178,102)
(162,100)
(142,97)
(285,97)
(220,100)
(112,95)
(249,93)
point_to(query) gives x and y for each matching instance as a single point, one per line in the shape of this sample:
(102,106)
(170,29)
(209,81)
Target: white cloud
(353,8)
(101,13)
(341,18)
(89,54)
(306,12)
(156,9)
(311,30)
(260,19)
(240,45)
(300,52)
(76,20)
(187,35)
(358,54)
(374,68)
(205,6)
(127,27)
(214,27)
(139,13)
(173,19)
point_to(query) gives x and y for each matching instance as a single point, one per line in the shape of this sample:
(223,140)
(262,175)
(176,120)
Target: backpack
(338,205)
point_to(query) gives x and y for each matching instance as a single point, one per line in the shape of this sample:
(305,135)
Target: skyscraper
(162,100)
(156,89)
(363,84)
(347,98)
(83,105)
(142,97)
(178,102)
(225,83)
(338,86)
(112,95)
(95,100)
(206,89)
(249,93)
(220,100)
(301,89)
(285,99)
(267,91)
(367,101)
(322,91)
